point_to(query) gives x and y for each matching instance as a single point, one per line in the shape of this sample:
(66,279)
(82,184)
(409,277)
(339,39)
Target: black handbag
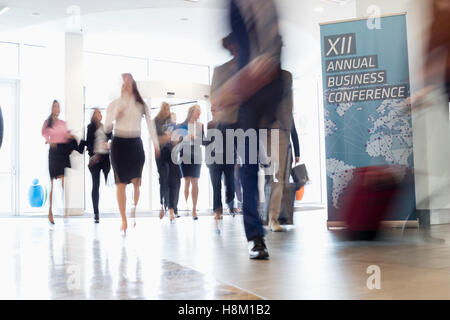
(300,175)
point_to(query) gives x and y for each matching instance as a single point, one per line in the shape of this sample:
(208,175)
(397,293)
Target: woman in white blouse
(127,153)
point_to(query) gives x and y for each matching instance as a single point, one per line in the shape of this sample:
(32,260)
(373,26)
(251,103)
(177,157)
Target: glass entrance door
(8,149)
(180,107)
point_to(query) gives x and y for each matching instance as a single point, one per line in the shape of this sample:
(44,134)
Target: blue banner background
(372,132)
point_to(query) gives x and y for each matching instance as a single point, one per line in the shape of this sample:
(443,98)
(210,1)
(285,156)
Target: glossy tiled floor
(188,260)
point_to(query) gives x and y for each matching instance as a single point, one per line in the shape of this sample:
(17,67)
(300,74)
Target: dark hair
(92,117)
(136,94)
(50,117)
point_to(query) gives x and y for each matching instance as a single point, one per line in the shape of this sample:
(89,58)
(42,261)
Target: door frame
(15,150)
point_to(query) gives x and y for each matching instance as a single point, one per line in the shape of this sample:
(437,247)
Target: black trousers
(169,180)
(216,171)
(102,165)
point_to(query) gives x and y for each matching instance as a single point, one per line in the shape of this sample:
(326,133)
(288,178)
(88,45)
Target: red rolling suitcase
(367,200)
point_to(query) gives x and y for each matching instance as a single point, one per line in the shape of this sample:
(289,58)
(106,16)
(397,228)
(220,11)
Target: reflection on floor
(76,259)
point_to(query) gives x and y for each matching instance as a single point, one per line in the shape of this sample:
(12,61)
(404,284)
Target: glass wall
(38,90)
(9,69)
(35,71)
(102,85)
(307,117)
(181,73)
(7,150)
(40,70)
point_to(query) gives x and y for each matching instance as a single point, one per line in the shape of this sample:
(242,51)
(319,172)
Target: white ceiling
(20,13)
(159,29)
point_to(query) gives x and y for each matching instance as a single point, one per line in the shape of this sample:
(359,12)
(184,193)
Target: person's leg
(230,186)
(95,173)
(174,188)
(65,196)
(50,211)
(187,183)
(277,187)
(122,200)
(215,173)
(136,194)
(163,171)
(238,185)
(252,221)
(194,182)
(253,225)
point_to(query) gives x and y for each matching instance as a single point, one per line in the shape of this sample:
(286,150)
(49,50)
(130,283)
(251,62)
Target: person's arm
(110,117)
(45,132)
(208,140)
(198,137)
(265,67)
(257,74)
(90,137)
(152,130)
(295,142)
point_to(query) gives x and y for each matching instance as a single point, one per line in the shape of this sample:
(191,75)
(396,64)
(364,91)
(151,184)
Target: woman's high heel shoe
(133,215)
(50,219)
(218,215)
(194,216)
(124,227)
(161,213)
(172,216)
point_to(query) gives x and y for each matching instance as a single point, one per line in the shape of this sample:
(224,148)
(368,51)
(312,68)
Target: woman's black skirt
(59,158)
(127,159)
(192,169)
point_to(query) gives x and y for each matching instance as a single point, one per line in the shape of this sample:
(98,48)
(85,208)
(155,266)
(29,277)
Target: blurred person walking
(124,115)
(438,51)
(169,172)
(223,119)
(258,89)
(62,143)
(219,167)
(191,155)
(98,150)
(281,162)
(436,69)
(173,119)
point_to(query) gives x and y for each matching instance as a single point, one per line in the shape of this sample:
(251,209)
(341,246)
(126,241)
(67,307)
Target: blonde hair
(191,112)
(159,116)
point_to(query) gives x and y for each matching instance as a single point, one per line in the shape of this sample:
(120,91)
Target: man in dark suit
(257,88)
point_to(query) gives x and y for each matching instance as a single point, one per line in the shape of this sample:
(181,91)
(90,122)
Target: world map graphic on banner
(389,136)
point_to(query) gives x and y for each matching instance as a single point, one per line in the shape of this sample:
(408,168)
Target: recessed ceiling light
(184,19)
(3,9)
(35,14)
(318,9)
